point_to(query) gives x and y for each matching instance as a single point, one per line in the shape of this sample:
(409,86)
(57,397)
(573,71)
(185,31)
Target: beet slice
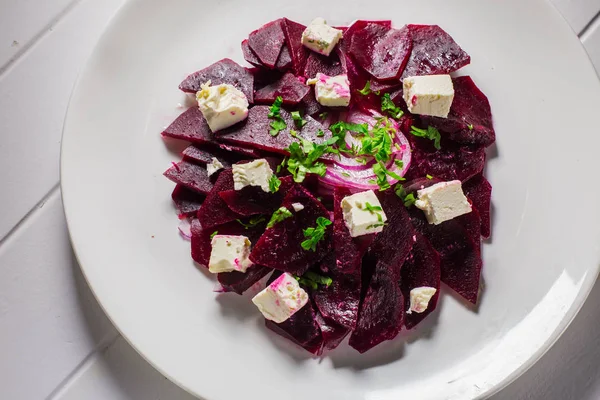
(255,131)
(381,51)
(339,302)
(280,246)
(460,256)
(192,176)
(214,211)
(249,55)
(201,246)
(243,151)
(328,65)
(293,39)
(291,90)
(356,27)
(422,268)
(433,52)
(223,71)
(284,62)
(190,126)
(310,105)
(266,42)
(204,156)
(252,200)
(239,282)
(301,328)
(187,201)
(381,312)
(470,117)
(479,191)
(332,333)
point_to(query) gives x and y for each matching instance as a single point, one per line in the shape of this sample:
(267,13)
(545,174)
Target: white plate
(538,269)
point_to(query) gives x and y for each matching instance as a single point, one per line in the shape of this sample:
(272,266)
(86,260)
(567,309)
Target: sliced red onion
(185,228)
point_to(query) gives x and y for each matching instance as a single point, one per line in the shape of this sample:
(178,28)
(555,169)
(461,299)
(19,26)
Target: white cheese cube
(429,94)
(419,298)
(214,166)
(255,173)
(229,253)
(320,37)
(363,214)
(281,299)
(331,91)
(222,105)
(443,201)
(297,207)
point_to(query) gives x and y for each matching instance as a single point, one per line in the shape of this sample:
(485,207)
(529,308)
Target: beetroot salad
(342,173)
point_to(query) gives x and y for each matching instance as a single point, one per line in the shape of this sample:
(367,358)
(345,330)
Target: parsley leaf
(366,90)
(307,282)
(320,279)
(430,133)
(293,133)
(274,184)
(388,106)
(212,235)
(280,166)
(304,158)
(298,120)
(381,175)
(275,109)
(277,126)
(275,113)
(407,199)
(470,126)
(323,115)
(279,215)
(254,221)
(315,235)
(428,176)
(320,133)
(374,210)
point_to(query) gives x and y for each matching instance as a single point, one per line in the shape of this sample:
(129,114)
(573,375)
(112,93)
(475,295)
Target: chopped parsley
(428,176)
(320,133)
(366,90)
(374,210)
(407,198)
(274,184)
(298,120)
(388,106)
(293,133)
(315,235)
(323,115)
(279,215)
(281,165)
(212,235)
(430,133)
(275,114)
(347,175)
(470,126)
(377,225)
(313,280)
(304,158)
(254,221)
(399,163)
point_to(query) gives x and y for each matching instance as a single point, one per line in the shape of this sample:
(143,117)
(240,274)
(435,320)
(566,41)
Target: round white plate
(539,266)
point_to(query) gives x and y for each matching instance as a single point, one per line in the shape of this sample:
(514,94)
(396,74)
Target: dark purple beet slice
(288,87)
(280,246)
(266,42)
(381,51)
(356,27)
(252,200)
(332,333)
(328,65)
(433,52)
(192,176)
(187,201)
(249,55)
(479,191)
(284,62)
(243,151)
(340,301)
(301,328)
(190,126)
(470,117)
(460,256)
(224,71)
(293,39)
(214,211)
(349,251)
(255,131)
(239,282)
(204,156)
(381,312)
(422,268)
(310,105)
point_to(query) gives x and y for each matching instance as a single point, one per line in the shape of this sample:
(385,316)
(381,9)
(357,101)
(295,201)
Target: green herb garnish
(307,282)
(277,126)
(407,198)
(366,90)
(320,279)
(275,113)
(388,106)
(323,115)
(212,235)
(281,165)
(279,215)
(320,133)
(374,210)
(430,133)
(293,133)
(428,176)
(298,120)
(376,225)
(315,235)
(254,221)
(470,126)
(274,184)
(304,158)
(275,109)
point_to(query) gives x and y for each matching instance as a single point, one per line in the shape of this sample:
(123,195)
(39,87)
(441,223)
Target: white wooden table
(55,341)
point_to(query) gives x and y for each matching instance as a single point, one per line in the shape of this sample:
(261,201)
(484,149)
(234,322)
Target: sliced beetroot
(357,27)
(422,268)
(460,256)
(252,200)
(381,312)
(310,105)
(479,191)
(339,301)
(280,246)
(187,201)
(293,39)
(291,90)
(284,62)
(214,211)
(328,65)
(249,54)
(242,151)
(332,333)
(301,328)
(470,117)
(255,131)
(192,176)
(433,52)
(190,126)
(239,282)
(266,42)
(204,156)
(381,51)
(224,71)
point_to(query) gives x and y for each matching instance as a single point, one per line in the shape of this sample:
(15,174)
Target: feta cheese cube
(229,253)
(214,166)
(363,213)
(419,298)
(320,37)
(281,299)
(443,201)
(429,94)
(222,105)
(297,207)
(331,91)
(255,173)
